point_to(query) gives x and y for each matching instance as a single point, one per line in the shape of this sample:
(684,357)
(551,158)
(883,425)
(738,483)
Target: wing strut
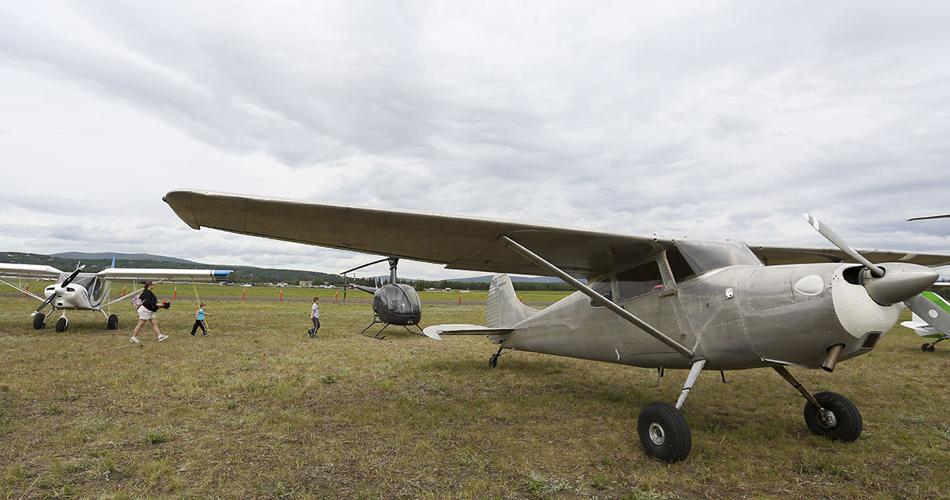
(596,297)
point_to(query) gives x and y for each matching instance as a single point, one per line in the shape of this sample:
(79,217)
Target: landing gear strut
(931,346)
(493,359)
(664,432)
(827,414)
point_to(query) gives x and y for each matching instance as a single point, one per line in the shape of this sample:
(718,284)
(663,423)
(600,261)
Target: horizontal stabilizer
(436,331)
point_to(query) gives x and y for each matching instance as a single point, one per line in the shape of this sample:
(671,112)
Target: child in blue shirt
(200,321)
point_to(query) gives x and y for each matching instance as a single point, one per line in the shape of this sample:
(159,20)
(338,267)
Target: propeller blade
(839,242)
(45,303)
(72,276)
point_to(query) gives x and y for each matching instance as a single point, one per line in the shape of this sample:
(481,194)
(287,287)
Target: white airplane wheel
(39,321)
(844,422)
(62,324)
(113,322)
(664,432)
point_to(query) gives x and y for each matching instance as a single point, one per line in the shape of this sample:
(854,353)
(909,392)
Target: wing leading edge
(459,242)
(456,242)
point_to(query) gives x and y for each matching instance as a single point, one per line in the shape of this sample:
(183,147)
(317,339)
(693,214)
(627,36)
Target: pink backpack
(137,301)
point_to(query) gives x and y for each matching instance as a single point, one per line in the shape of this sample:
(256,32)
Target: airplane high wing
(164,274)
(29,270)
(457,242)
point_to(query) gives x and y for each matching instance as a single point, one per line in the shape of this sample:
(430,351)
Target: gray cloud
(712,120)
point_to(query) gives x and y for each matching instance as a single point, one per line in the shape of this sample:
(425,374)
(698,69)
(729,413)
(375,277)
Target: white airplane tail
(503,309)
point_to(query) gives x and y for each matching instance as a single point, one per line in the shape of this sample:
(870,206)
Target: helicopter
(393,303)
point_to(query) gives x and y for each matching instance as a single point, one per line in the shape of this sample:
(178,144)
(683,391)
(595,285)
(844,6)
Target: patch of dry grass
(258,409)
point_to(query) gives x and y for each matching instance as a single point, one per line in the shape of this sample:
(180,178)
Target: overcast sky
(706,119)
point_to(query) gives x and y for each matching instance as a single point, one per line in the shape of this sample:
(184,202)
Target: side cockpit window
(640,280)
(681,269)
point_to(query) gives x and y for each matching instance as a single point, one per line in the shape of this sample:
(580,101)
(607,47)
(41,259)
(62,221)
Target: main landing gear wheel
(664,432)
(842,422)
(39,321)
(62,324)
(113,322)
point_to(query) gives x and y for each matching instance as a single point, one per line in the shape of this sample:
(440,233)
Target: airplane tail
(503,309)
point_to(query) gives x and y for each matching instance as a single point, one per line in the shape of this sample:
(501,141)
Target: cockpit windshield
(705,256)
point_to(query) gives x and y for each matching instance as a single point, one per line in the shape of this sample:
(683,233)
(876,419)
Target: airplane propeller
(69,279)
(899,282)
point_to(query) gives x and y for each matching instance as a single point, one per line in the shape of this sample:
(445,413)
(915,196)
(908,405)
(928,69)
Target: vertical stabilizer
(503,309)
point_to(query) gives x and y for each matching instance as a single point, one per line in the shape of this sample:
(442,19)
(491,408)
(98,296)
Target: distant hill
(94,262)
(119,257)
(241,274)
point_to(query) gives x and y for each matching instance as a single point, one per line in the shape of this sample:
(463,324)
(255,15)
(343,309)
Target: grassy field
(258,410)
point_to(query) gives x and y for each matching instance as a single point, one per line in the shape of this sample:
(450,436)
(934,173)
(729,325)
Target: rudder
(503,309)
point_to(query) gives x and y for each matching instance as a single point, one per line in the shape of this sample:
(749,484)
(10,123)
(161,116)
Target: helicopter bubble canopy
(398,304)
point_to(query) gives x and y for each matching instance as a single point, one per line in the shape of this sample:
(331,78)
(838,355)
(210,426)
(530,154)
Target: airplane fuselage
(737,317)
(86,292)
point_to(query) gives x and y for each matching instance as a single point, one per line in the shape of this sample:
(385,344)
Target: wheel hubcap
(657,435)
(827,419)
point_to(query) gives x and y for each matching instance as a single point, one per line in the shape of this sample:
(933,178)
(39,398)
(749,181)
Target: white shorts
(145,313)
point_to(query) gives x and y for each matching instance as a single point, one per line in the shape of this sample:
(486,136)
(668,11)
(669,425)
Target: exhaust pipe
(832,358)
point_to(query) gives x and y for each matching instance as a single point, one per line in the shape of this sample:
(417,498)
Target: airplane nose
(900,282)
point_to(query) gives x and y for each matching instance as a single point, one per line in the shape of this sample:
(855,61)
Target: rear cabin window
(602,287)
(640,280)
(678,265)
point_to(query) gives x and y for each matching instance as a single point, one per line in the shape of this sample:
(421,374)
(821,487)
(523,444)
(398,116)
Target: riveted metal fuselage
(736,317)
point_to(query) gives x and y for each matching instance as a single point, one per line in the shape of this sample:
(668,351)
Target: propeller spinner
(888,283)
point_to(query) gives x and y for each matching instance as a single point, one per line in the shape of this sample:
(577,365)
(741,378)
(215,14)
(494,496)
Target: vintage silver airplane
(648,302)
(81,291)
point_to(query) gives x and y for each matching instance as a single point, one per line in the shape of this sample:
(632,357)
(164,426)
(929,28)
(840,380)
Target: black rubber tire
(848,419)
(112,323)
(925,347)
(675,440)
(62,324)
(493,361)
(39,321)
(930,348)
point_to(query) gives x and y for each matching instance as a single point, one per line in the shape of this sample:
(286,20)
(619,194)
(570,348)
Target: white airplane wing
(165,274)
(29,271)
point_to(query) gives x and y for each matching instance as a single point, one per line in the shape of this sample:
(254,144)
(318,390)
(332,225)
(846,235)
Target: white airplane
(936,325)
(90,291)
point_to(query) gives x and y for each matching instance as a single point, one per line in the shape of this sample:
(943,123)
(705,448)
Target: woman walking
(147,313)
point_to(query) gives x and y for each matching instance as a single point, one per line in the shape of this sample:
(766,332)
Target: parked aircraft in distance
(81,291)
(649,302)
(394,303)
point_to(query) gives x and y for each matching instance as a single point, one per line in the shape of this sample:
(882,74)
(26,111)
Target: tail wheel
(843,423)
(62,324)
(39,321)
(113,322)
(664,432)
